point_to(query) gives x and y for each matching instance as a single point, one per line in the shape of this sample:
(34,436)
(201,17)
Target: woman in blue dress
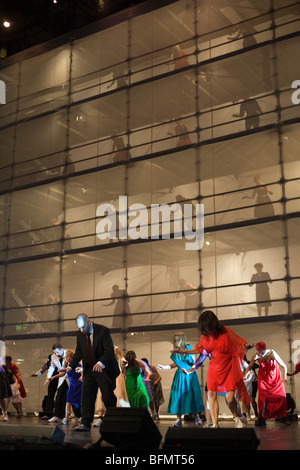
(185,395)
(73,399)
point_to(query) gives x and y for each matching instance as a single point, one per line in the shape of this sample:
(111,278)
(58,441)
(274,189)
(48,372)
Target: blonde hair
(70,352)
(179,340)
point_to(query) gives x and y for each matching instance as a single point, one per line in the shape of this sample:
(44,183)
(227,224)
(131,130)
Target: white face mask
(59,352)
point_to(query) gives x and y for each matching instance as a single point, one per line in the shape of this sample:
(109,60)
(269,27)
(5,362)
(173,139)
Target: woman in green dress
(136,390)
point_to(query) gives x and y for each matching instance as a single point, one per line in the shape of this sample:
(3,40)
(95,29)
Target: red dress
(271,391)
(224,370)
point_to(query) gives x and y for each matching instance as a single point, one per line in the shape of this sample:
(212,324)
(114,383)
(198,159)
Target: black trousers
(52,387)
(60,401)
(91,382)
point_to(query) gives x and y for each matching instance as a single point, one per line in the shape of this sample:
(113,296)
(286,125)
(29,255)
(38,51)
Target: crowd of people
(97,375)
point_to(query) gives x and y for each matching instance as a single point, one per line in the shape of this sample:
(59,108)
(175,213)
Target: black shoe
(260,422)
(284,420)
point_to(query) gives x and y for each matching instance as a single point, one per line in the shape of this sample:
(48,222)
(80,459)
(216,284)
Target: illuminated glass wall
(189,103)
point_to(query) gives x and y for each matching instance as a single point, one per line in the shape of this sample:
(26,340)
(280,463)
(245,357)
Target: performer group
(97,375)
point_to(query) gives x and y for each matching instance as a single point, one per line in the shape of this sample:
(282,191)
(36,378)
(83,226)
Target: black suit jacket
(102,349)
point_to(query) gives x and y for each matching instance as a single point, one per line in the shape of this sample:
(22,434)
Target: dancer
(146,374)
(100,368)
(52,365)
(136,390)
(157,391)
(261,279)
(14,369)
(73,399)
(185,396)
(271,392)
(60,383)
(15,399)
(224,372)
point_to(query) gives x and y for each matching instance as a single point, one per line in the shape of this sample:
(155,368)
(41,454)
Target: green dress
(136,390)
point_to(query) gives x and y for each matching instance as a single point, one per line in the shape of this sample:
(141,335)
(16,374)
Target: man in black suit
(100,367)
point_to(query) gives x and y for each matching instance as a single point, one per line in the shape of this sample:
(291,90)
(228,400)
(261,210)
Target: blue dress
(75,388)
(185,395)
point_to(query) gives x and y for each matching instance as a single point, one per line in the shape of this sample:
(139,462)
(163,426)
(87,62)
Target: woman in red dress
(14,369)
(224,374)
(272,401)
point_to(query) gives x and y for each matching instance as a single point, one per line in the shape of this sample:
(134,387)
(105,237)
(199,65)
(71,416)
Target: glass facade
(110,142)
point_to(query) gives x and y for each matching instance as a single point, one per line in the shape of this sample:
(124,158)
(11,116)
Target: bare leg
(231,401)
(4,406)
(68,410)
(207,411)
(18,407)
(214,406)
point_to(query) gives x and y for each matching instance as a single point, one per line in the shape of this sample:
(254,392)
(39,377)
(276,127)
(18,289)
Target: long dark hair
(209,324)
(131,359)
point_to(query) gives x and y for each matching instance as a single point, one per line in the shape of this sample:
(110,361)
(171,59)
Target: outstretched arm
(169,366)
(293,373)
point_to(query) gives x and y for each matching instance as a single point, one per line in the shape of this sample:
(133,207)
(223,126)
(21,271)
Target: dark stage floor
(17,433)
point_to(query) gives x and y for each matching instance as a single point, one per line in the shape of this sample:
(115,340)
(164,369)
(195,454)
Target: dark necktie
(89,355)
